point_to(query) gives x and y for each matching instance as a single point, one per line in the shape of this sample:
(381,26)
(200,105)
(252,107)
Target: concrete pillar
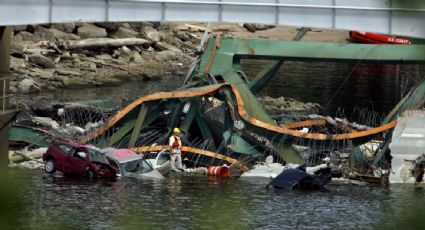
(5,114)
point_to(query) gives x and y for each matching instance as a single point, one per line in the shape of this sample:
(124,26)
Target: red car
(76,159)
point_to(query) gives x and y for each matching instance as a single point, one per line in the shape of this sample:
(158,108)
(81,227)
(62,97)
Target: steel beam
(383,16)
(267,73)
(138,126)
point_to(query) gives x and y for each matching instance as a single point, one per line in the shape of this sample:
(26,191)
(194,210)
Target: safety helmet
(176,130)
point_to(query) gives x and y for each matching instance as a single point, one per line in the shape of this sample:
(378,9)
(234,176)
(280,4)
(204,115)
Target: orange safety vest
(176,143)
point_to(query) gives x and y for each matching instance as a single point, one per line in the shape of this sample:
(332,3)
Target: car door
(61,157)
(76,163)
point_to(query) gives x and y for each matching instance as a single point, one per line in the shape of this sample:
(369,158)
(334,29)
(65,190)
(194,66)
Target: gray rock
(125,51)
(67,72)
(110,26)
(103,56)
(64,27)
(151,34)
(189,45)
(126,25)
(178,43)
(250,27)
(165,46)
(167,55)
(42,73)
(136,57)
(41,61)
(19,28)
(123,32)
(16,64)
(71,81)
(139,26)
(23,36)
(91,31)
(182,35)
(41,34)
(28,85)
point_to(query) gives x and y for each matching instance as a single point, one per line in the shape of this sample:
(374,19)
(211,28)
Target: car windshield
(137,166)
(96,156)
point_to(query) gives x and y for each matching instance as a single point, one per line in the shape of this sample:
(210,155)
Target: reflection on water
(129,90)
(205,202)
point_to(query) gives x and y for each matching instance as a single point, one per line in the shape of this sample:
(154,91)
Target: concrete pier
(6,113)
(407,145)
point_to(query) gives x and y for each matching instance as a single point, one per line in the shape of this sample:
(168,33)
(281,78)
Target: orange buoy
(221,171)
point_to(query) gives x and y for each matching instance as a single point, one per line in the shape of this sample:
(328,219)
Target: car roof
(121,155)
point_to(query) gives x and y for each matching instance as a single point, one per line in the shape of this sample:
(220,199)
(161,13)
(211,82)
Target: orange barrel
(221,171)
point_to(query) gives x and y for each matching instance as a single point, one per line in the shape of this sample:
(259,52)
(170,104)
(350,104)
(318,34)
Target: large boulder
(41,61)
(19,28)
(27,85)
(23,36)
(110,26)
(42,73)
(123,32)
(167,55)
(64,27)
(152,34)
(42,34)
(165,46)
(91,31)
(71,81)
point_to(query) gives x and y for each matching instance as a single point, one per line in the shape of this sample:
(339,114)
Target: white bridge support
(399,17)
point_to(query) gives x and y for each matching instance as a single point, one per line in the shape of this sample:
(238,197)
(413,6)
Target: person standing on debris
(175,144)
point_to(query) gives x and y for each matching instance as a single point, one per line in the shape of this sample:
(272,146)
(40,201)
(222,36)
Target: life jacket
(176,143)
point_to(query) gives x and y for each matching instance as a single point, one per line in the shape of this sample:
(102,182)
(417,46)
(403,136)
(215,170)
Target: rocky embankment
(48,57)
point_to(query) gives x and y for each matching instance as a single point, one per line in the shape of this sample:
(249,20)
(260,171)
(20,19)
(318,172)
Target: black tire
(49,166)
(89,174)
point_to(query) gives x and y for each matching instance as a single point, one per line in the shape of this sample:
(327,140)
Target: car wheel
(49,166)
(89,173)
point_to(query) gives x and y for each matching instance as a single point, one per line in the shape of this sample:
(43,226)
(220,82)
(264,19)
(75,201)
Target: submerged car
(130,164)
(78,160)
(298,178)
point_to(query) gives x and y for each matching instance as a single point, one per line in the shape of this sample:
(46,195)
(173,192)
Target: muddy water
(207,203)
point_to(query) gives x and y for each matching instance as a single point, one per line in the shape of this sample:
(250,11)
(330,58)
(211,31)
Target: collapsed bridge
(222,121)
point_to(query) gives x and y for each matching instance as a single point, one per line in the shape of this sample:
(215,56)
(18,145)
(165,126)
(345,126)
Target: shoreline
(42,60)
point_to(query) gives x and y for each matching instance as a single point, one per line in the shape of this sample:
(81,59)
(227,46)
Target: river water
(181,202)
(200,202)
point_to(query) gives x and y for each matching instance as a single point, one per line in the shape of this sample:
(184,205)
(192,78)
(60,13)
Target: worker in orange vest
(175,144)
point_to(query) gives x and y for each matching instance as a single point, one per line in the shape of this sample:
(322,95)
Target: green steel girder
(231,50)
(254,108)
(225,60)
(138,125)
(29,135)
(264,76)
(122,132)
(267,73)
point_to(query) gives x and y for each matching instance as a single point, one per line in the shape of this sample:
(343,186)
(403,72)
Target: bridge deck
(384,16)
